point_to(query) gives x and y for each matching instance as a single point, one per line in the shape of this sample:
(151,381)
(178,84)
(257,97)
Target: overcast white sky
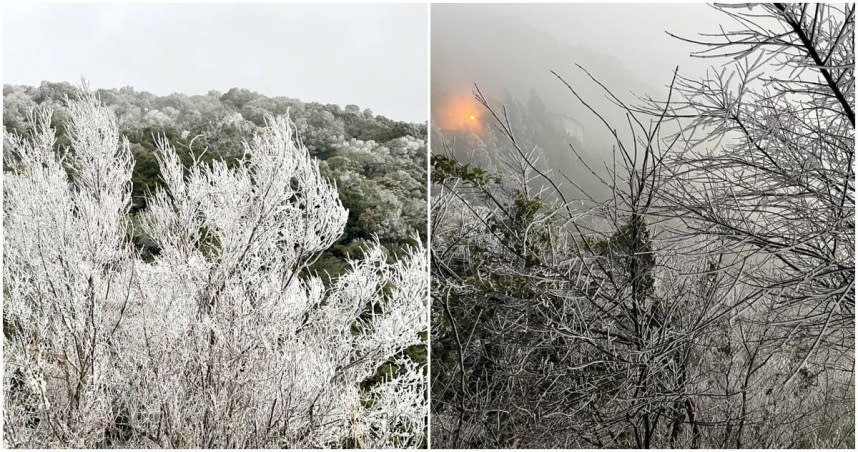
(372,55)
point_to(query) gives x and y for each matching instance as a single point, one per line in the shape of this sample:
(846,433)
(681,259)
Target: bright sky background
(371,55)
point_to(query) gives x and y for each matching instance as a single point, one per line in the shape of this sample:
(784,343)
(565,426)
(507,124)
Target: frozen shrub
(224,339)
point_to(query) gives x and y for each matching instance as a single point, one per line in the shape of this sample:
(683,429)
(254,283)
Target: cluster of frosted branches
(224,339)
(709,303)
(767,167)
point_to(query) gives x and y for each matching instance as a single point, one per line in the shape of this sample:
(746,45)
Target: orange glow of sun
(458,113)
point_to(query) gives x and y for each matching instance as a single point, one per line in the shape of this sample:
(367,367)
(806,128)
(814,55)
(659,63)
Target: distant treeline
(378,164)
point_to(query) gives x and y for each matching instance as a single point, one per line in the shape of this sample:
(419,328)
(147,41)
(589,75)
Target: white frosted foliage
(224,338)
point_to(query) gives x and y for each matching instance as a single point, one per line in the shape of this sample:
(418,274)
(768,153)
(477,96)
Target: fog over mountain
(509,51)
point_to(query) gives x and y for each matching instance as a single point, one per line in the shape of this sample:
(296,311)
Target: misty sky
(372,55)
(633,33)
(508,50)
(480,42)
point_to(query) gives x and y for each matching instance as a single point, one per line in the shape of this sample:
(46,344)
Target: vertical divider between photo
(429,224)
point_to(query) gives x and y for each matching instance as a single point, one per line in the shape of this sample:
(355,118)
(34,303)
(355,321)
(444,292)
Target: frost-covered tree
(224,339)
(767,168)
(708,302)
(219,123)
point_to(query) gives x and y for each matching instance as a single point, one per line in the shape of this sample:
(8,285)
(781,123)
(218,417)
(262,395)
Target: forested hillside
(378,164)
